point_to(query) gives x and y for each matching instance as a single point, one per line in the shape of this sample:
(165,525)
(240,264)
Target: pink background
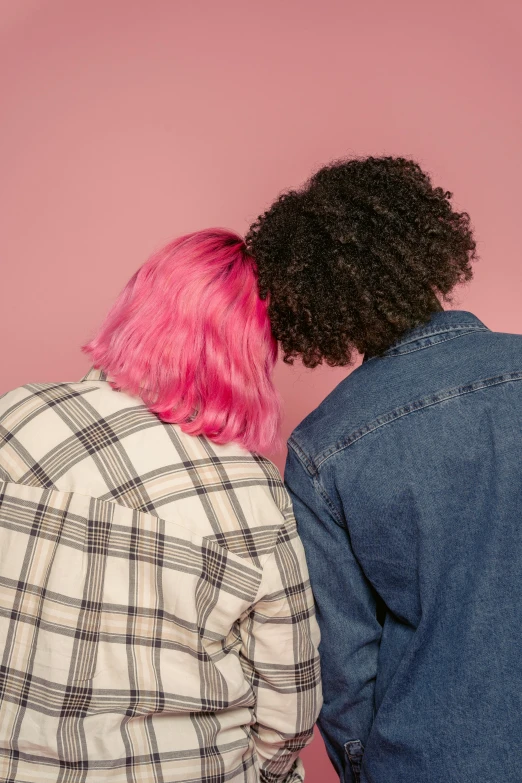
(125,123)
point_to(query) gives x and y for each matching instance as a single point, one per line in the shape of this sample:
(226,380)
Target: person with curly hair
(406,481)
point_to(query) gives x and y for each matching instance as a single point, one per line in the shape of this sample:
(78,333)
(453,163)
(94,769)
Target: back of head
(190,335)
(358,256)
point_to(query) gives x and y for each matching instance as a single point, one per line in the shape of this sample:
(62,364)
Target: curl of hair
(357,257)
(190,335)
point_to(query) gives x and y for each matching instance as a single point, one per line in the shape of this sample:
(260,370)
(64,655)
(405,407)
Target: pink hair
(190,335)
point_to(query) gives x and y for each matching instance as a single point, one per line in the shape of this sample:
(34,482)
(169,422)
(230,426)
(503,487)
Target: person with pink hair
(156,615)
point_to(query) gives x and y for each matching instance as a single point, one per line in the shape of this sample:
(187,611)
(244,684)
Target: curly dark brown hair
(357,257)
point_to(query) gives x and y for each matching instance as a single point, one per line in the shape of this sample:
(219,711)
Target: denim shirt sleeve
(346,613)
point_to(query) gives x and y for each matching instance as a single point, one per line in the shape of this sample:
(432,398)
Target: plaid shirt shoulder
(156,616)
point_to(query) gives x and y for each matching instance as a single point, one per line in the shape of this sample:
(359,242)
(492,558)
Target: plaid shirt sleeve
(280,638)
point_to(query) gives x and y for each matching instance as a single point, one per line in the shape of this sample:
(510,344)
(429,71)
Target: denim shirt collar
(443,325)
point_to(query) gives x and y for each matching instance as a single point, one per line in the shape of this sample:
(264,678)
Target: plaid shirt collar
(94,375)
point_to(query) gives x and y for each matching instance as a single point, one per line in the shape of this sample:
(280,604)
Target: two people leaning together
(171,611)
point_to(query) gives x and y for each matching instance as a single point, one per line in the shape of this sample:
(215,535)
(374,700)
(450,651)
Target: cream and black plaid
(156,619)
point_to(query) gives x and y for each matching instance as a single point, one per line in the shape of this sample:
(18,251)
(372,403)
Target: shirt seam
(209,538)
(317,484)
(413,407)
(313,466)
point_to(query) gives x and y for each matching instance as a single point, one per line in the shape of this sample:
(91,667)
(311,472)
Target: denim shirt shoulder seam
(312,470)
(412,407)
(319,486)
(302,456)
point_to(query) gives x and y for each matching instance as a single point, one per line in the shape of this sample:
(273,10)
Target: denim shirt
(407,487)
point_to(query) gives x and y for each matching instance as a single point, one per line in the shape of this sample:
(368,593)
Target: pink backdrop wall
(125,123)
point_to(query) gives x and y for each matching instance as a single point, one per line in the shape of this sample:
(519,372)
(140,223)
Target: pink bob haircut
(190,335)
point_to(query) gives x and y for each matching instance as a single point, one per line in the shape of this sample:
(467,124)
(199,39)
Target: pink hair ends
(190,335)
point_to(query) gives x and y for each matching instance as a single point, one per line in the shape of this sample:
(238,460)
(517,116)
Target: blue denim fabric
(407,488)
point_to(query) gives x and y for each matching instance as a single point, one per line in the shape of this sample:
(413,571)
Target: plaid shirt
(156,617)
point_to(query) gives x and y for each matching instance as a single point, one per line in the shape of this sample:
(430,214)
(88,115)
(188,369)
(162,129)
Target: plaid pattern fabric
(156,618)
